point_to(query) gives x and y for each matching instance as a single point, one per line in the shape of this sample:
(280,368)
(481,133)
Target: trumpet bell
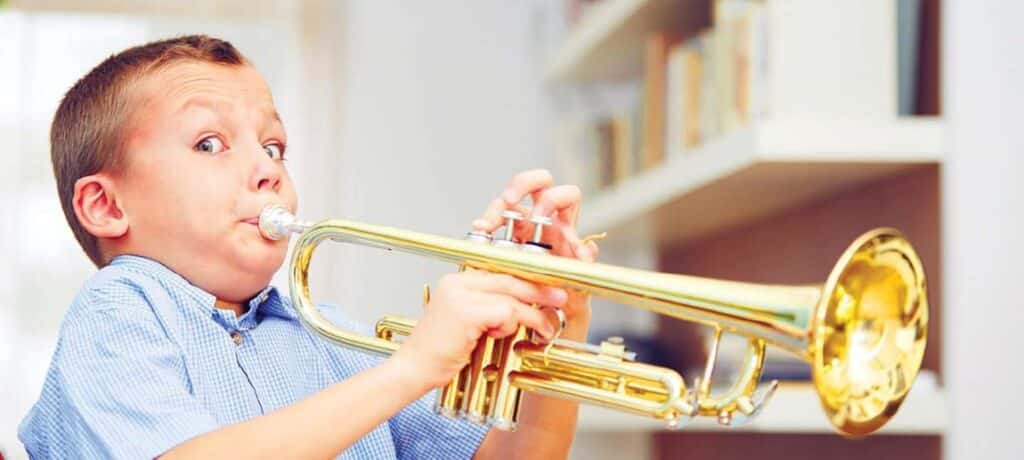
(869,332)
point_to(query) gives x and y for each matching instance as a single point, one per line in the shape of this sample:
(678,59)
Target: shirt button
(236,337)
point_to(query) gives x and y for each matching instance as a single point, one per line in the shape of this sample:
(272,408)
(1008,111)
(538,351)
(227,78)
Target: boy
(164,155)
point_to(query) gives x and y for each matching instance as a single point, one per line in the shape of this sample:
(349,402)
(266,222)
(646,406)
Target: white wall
(441,105)
(983,225)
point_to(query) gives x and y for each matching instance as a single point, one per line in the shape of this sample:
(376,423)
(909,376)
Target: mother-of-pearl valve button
(510,228)
(536,245)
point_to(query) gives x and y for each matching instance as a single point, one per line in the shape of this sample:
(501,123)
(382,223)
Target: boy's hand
(463,307)
(466,305)
(562,204)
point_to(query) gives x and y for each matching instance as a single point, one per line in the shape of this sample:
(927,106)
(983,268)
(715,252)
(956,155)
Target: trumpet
(863,330)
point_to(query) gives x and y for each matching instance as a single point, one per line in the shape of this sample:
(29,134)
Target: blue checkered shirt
(144,361)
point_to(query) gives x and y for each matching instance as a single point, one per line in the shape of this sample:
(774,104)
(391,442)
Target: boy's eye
(211,144)
(275,151)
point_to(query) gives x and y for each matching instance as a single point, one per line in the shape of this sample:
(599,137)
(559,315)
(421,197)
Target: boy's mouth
(252,220)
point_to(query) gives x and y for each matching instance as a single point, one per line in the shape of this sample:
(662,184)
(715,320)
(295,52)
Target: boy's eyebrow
(202,102)
(206,103)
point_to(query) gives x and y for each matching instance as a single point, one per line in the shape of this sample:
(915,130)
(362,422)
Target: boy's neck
(238,308)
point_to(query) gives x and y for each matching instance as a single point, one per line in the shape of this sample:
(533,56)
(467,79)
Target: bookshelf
(793,409)
(723,183)
(607,44)
(769,196)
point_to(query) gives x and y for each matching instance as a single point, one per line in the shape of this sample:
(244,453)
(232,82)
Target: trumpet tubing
(863,330)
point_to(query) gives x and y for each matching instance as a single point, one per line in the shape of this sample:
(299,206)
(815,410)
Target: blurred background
(740,139)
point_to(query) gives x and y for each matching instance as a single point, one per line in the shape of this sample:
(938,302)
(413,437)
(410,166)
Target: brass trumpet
(863,331)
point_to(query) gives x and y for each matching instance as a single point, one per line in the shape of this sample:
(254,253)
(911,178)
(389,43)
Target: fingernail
(560,295)
(480,224)
(539,210)
(509,196)
(549,332)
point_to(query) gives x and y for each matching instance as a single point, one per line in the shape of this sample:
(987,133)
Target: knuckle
(507,282)
(519,179)
(507,309)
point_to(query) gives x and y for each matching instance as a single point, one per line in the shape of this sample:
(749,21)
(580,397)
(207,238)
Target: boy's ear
(98,208)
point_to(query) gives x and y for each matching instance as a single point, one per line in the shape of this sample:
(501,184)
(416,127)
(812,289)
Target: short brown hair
(87,135)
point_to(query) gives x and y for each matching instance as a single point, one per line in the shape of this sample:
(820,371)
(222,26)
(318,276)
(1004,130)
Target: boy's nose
(266,174)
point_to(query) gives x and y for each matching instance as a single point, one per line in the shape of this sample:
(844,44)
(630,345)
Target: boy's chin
(253,274)
(265,263)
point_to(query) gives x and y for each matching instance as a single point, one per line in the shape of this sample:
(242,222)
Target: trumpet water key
(863,330)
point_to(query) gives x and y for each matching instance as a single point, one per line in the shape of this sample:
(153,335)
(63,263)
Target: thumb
(586,251)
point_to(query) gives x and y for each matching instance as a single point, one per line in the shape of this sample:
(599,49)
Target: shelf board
(608,43)
(794,409)
(757,171)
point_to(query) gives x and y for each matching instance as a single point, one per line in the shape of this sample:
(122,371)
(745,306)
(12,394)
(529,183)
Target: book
(710,116)
(655,68)
(693,77)
(675,100)
(908,13)
(622,147)
(605,135)
(724,58)
(752,70)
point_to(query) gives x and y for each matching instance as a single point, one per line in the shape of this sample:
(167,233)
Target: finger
(491,219)
(588,251)
(571,246)
(509,323)
(502,316)
(526,183)
(535,319)
(490,314)
(563,201)
(522,290)
(497,314)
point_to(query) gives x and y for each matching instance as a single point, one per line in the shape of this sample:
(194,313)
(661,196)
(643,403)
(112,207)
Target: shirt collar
(267,302)
(270,302)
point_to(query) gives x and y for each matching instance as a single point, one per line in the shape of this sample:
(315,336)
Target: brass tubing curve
(307,309)
(389,325)
(737,397)
(540,358)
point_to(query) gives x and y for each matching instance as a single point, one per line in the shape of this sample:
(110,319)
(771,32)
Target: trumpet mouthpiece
(276,222)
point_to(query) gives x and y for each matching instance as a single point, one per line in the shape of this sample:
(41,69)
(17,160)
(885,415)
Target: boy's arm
(463,307)
(318,426)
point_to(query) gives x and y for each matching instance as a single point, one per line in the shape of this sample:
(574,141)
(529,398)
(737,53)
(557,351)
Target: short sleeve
(418,432)
(116,388)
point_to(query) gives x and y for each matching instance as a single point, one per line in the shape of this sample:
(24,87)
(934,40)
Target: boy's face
(204,156)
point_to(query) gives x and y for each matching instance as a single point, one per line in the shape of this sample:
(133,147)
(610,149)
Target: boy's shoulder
(128,283)
(110,288)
